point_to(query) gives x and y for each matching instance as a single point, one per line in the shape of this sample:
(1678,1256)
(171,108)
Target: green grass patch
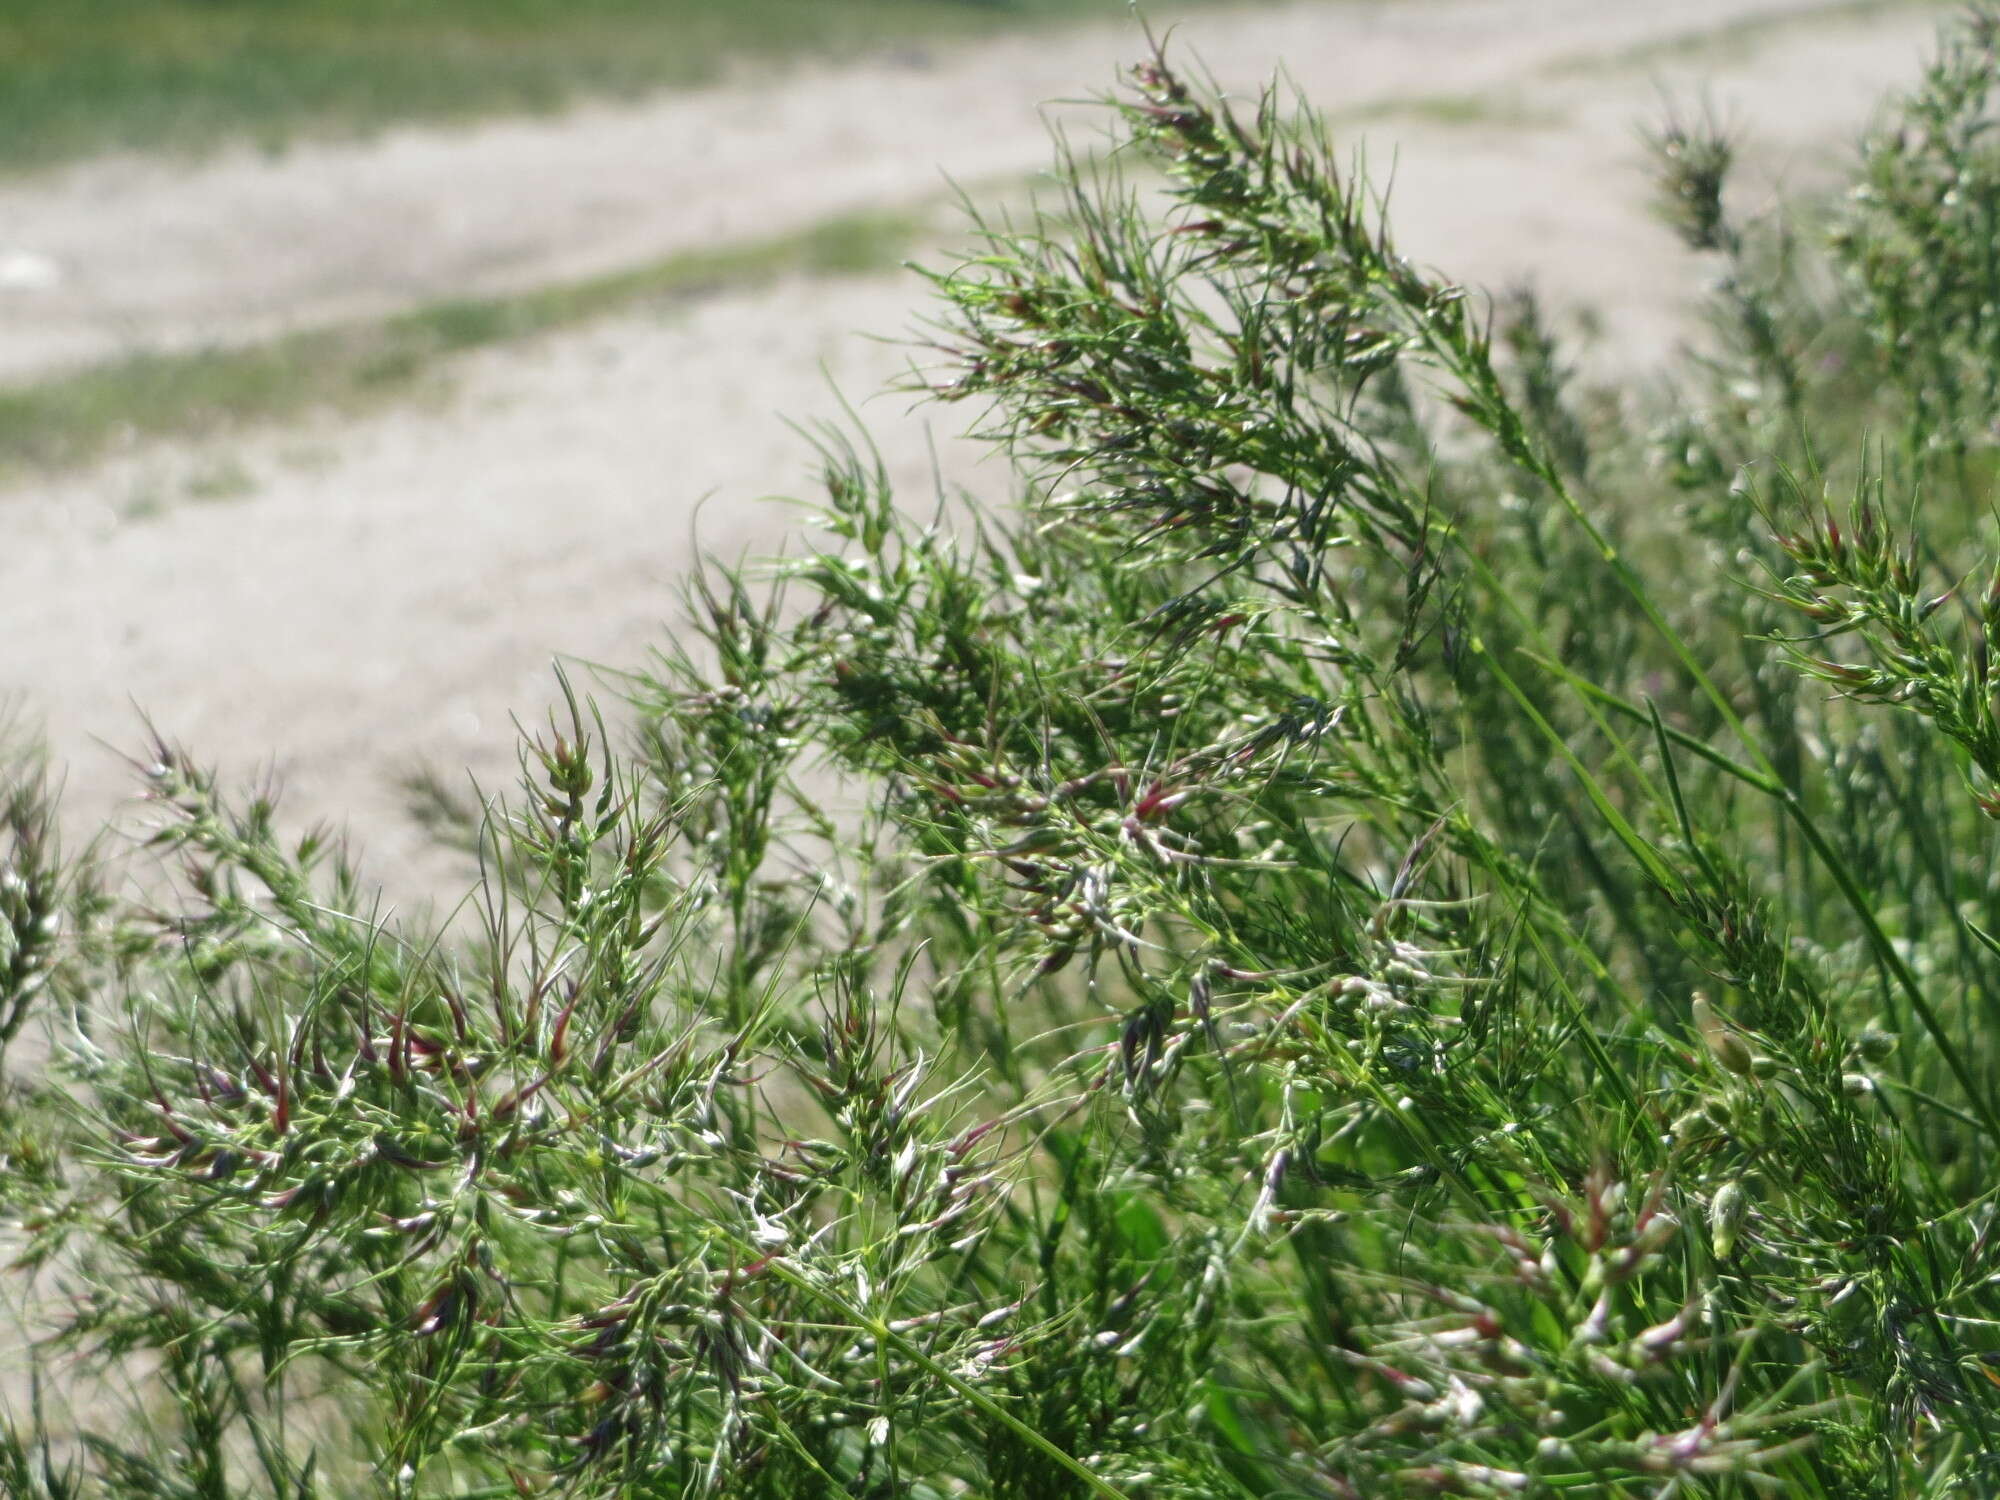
(1348,944)
(85,76)
(74,418)
(1734,40)
(1456,112)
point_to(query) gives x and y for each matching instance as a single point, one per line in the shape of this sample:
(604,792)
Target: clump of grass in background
(1344,950)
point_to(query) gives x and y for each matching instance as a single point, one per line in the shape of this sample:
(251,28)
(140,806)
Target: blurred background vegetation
(84,76)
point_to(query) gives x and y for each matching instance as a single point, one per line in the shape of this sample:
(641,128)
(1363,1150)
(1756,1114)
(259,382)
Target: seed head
(1876,1045)
(1726,1212)
(1724,1045)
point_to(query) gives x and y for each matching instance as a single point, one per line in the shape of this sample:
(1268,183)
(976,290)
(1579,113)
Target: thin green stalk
(1770,783)
(879,1330)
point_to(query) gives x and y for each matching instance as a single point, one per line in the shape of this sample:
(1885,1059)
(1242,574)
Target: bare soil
(348,597)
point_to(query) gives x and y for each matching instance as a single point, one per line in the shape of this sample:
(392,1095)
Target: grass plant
(1394,930)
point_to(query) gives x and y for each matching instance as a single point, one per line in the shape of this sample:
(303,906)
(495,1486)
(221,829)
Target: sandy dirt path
(387,590)
(131,254)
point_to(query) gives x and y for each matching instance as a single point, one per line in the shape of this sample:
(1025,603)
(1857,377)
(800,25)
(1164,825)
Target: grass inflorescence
(1398,928)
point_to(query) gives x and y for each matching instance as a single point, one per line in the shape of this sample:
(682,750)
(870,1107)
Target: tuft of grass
(1343,947)
(73,418)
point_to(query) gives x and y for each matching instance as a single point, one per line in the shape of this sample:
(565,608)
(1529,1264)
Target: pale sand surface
(391,588)
(153,255)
